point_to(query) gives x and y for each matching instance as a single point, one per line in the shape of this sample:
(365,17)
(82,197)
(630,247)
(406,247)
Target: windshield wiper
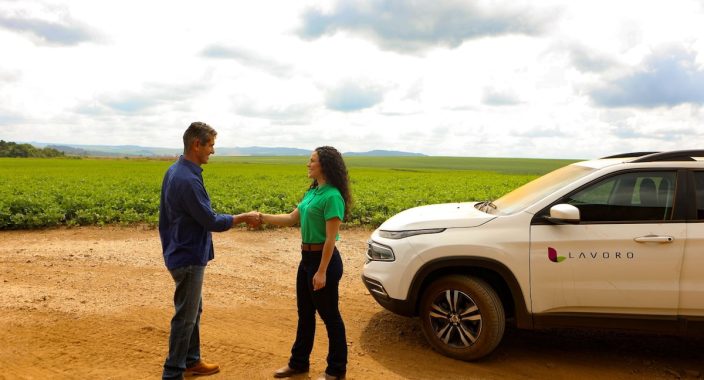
(485,206)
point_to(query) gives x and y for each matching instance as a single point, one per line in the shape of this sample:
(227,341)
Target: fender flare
(455,263)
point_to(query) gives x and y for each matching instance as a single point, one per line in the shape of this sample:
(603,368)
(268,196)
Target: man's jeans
(184,341)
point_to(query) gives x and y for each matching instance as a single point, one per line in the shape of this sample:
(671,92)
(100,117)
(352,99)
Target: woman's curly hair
(335,172)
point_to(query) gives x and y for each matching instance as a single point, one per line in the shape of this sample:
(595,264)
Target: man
(186,220)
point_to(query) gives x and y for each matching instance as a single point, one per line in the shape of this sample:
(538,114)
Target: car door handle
(654,239)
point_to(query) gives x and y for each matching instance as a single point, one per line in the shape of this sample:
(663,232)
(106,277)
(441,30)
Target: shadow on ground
(398,344)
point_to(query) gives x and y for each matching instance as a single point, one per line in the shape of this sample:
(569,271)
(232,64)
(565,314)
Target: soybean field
(40,193)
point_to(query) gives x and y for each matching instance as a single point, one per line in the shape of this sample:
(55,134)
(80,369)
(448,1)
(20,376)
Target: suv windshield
(539,188)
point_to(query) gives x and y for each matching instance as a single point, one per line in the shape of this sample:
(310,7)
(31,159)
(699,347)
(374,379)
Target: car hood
(447,215)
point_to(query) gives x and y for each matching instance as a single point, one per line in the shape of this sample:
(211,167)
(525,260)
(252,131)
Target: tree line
(12,149)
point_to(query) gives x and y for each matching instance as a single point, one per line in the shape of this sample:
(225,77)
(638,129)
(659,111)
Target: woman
(320,213)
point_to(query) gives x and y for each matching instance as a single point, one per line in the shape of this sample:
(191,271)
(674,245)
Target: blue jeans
(184,340)
(325,302)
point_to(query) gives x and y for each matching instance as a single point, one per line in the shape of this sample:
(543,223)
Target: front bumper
(376,289)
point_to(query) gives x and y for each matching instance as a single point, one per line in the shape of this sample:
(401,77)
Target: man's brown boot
(201,368)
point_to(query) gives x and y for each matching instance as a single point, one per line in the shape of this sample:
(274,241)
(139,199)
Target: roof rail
(675,155)
(628,155)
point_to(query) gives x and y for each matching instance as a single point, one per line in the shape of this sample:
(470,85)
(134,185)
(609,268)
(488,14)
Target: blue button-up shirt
(186,218)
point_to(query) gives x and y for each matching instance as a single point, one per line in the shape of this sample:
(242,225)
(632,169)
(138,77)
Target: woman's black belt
(312,247)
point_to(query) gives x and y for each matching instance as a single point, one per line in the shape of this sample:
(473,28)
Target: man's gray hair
(197,130)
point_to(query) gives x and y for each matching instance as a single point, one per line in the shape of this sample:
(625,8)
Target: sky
(503,78)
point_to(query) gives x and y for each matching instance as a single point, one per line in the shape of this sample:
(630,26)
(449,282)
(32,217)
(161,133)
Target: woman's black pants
(325,302)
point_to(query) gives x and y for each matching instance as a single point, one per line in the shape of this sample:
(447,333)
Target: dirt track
(95,303)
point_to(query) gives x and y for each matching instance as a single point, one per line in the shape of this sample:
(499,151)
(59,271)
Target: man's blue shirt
(186,218)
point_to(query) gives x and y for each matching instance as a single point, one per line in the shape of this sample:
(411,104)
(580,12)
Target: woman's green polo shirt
(317,206)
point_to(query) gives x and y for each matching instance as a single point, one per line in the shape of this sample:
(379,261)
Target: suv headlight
(407,233)
(378,252)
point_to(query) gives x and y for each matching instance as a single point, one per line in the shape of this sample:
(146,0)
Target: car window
(539,188)
(636,196)
(699,184)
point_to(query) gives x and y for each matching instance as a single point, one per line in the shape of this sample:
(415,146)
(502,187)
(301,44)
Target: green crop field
(37,193)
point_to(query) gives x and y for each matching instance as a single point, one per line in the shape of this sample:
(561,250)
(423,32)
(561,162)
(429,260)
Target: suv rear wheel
(462,317)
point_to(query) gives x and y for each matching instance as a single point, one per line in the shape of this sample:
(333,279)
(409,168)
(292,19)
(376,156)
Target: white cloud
(50,25)
(351,96)
(249,58)
(415,26)
(669,77)
(473,78)
(496,97)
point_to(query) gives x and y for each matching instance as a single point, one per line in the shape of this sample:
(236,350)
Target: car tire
(462,317)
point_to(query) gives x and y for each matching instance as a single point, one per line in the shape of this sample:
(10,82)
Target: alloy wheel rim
(455,318)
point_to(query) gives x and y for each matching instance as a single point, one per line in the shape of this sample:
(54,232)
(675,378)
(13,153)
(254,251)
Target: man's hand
(252,218)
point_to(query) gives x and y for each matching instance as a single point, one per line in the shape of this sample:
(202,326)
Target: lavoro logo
(552,255)
(590,255)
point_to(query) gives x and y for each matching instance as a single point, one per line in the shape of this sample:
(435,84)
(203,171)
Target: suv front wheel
(462,317)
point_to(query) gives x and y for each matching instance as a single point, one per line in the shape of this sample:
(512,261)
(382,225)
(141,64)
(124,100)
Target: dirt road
(95,303)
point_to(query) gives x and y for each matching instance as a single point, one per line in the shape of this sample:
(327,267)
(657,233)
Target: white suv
(616,242)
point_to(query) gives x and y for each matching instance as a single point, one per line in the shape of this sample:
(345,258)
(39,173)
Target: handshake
(253,219)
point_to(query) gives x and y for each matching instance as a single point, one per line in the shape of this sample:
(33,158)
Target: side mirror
(563,214)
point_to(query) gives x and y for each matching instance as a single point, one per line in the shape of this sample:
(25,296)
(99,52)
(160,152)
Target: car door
(692,282)
(623,257)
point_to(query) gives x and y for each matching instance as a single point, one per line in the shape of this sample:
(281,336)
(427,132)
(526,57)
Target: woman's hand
(279,219)
(319,280)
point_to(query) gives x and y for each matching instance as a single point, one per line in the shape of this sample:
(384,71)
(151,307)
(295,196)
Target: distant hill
(383,153)
(140,151)
(261,151)
(114,150)
(73,151)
